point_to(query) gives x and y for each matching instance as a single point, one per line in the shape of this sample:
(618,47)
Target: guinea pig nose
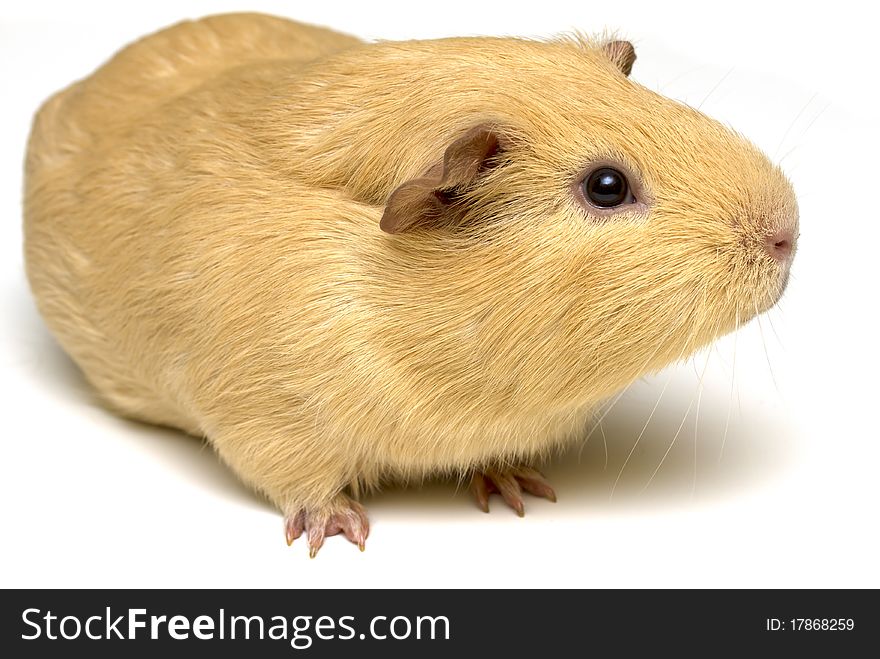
(780,244)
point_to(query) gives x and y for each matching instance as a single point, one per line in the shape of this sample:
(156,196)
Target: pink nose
(780,244)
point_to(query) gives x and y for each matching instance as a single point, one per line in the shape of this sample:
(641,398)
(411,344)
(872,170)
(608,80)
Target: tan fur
(202,236)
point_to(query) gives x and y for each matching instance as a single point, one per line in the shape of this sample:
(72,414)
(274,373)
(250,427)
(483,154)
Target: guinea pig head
(593,229)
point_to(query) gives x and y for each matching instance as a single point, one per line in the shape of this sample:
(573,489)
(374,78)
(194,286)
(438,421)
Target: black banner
(317,623)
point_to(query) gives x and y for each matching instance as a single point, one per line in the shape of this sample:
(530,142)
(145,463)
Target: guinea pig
(345,263)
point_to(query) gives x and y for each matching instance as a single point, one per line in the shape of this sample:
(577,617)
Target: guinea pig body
(345,262)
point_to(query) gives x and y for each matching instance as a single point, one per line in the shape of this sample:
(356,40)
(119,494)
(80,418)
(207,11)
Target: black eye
(606,187)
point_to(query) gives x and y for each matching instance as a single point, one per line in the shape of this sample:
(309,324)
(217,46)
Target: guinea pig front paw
(510,484)
(341,515)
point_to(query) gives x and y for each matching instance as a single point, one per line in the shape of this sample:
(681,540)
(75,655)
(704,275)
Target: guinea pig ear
(431,198)
(622,54)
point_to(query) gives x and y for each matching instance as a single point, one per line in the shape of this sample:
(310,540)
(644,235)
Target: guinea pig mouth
(771,292)
(782,250)
(770,256)
(783,284)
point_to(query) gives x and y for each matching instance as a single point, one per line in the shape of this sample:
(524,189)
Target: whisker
(791,171)
(717,85)
(693,332)
(766,352)
(604,414)
(677,78)
(605,445)
(793,122)
(770,321)
(641,434)
(671,444)
(788,153)
(681,425)
(613,403)
(697,420)
(815,119)
(732,383)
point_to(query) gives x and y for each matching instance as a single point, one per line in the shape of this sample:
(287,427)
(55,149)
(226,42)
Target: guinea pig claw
(342,516)
(480,488)
(534,482)
(510,484)
(294,526)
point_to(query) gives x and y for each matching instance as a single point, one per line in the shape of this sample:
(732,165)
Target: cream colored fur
(202,236)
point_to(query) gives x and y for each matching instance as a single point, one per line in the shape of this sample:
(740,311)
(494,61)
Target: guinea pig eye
(606,187)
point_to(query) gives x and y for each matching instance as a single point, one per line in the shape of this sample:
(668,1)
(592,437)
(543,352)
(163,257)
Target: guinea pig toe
(534,482)
(294,525)
(510,484)
(344,516)
(481,488)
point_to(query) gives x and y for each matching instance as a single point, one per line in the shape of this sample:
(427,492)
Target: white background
(92,500)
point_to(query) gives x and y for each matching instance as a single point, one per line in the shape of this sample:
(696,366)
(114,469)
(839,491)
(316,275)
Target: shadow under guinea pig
(189,456)
(628,466)
(736,446)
